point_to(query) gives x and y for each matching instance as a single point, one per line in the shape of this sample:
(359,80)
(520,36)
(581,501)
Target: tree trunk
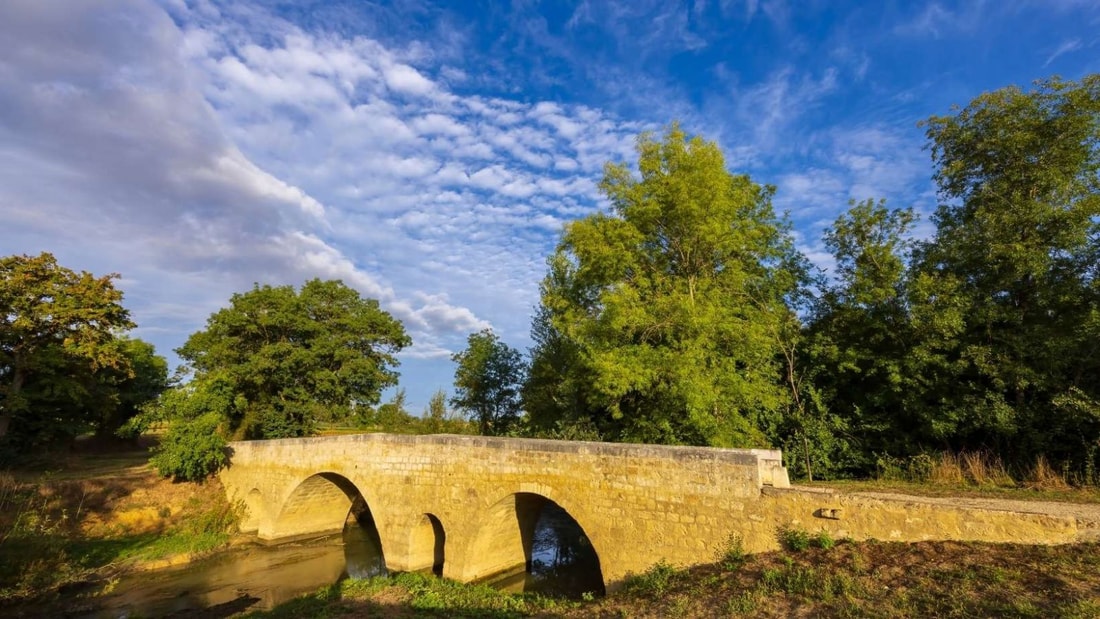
(806,453)
(9,408)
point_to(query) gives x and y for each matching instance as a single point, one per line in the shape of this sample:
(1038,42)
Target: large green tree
(859,332)
(57,331)
(125,393)
(1005,295)
(488,378)
(277,361)
(672,306)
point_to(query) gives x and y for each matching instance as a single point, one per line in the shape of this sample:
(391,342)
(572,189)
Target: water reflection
(259,577)
(362,550)
(563,562)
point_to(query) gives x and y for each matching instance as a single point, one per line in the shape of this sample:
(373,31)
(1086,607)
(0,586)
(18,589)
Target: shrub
(192,449)
(793,538)
(823,540)
(655,581)
(731,554)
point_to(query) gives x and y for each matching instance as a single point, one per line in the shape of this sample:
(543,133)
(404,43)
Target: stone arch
(427,545)
(503,538)
(319,505)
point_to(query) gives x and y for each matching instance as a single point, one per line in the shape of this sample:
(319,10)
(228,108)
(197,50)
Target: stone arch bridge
(471,504)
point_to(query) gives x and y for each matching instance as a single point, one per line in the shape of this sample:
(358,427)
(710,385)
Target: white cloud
(405,79)
(1066,47)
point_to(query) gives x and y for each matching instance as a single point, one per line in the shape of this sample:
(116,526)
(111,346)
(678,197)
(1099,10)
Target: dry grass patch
(872,579)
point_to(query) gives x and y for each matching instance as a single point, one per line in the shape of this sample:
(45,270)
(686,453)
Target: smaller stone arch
(501,542)
(318,505)
(427,545)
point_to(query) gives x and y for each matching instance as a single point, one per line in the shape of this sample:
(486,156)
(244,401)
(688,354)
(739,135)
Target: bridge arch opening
(320,504)
(427,545)
(329,503)
(528,542)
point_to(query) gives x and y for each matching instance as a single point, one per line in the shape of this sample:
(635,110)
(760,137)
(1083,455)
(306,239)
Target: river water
(261,577)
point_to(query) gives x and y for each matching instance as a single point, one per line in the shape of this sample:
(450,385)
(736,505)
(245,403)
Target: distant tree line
(684,314)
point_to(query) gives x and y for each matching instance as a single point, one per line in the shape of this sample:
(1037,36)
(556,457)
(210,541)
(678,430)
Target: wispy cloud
(428,154)
(1066,47)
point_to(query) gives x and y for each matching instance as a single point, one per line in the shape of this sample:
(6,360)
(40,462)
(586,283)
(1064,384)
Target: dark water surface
(259,577)
(262,577)
(563,562)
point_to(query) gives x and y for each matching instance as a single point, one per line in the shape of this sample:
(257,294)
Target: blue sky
(428,153)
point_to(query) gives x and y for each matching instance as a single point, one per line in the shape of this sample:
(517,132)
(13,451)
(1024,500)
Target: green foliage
(982,337)
(438,419)
(206,528)
(731,554)
(654,582)
(809,581)
(425,596)
(487,383)
(192,449)
(277,361)
(662,321)
(858,334)
(552,395)
(918,468)
(57,331)
(823,540)
(391,416)
(794,538)
(1006,289)
(146,381)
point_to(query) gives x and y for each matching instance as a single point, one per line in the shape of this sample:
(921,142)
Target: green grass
(877,579)
(849,579)
(653,582)
(415,595)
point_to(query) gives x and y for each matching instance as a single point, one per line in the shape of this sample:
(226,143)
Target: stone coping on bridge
(769,457)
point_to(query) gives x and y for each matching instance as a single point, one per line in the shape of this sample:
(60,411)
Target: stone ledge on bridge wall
(732,456)
(906,518)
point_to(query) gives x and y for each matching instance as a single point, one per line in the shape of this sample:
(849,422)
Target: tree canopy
(680,315)
(1005,294)
(670,305)
(487,382)
(58,333)
(982,337)
(277,361)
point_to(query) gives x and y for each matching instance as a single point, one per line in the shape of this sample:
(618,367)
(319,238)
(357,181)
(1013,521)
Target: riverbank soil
(876,579)
(845,579)
(78,517)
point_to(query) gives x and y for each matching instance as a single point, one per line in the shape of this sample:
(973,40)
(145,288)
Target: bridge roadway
(469,504)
